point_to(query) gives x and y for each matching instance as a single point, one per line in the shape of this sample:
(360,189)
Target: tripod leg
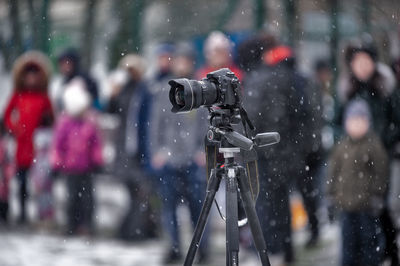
(232,229)
(252,217)
(212,187)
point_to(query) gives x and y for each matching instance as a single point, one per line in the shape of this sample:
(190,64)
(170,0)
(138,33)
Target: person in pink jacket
(76,154)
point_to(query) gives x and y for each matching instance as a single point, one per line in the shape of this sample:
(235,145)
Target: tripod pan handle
(265,139)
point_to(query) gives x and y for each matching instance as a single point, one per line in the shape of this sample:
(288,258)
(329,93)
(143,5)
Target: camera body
(220,88)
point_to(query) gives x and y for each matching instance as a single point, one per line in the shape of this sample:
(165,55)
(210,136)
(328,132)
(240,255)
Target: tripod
(237,184)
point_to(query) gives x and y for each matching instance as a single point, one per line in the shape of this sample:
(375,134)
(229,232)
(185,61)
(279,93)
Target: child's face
(357,127)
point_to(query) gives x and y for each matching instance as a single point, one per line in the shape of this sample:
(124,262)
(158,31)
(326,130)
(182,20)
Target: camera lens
(180,96)
(186,95)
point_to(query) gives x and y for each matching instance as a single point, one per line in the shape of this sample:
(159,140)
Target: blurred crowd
(339,148)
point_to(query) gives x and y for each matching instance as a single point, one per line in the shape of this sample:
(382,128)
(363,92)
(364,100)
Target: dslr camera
(220,88)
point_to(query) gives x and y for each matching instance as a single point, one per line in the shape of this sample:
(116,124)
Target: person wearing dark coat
(366,78)
(121,98)
(274,104)
(69,67)
(129,102)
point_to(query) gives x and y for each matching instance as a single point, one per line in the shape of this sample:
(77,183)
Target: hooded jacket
(28,108)
(376,95)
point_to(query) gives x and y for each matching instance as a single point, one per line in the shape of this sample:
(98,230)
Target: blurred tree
(226,14)
(291,17)
(334,39)
(39,23)
(88,32)
(33,23)
(44,27)
(260,14)
(366,15)
(129,35)
(4,49)
(16,39)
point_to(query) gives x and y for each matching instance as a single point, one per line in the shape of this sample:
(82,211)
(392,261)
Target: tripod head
(222,138)
(221,130)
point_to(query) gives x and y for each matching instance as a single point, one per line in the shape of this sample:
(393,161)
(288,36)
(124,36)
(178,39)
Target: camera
(220,88)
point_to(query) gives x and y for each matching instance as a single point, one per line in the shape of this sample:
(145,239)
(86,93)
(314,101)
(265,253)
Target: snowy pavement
(23,247)
(18,249)
(44,249)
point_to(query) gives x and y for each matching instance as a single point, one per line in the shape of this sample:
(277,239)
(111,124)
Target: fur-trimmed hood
(35,58)
(386,86)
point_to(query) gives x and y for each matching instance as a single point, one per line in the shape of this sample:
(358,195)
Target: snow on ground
(18,249)
(23,247)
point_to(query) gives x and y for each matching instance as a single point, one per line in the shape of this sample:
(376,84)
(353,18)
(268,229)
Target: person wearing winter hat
(77,153)
(357,182)
(218,54)
(70,67)
(369,79)
(28,109)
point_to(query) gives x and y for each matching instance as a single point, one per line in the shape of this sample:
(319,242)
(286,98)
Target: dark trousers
(273,208)
(390,232)
(140,221)
(308,187)
(4,211)
(80,202)
(22,177)
(362,239)
(178,185)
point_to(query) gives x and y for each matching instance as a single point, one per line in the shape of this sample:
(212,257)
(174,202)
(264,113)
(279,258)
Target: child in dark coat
(358,174)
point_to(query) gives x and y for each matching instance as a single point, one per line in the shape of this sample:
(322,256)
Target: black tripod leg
(212,187)
(232,229)
(252,217)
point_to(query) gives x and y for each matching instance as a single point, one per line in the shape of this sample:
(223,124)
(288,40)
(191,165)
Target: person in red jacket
(218,53)
(28,109)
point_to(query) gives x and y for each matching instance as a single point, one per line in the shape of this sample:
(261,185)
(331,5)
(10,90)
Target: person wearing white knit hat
(218,54)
